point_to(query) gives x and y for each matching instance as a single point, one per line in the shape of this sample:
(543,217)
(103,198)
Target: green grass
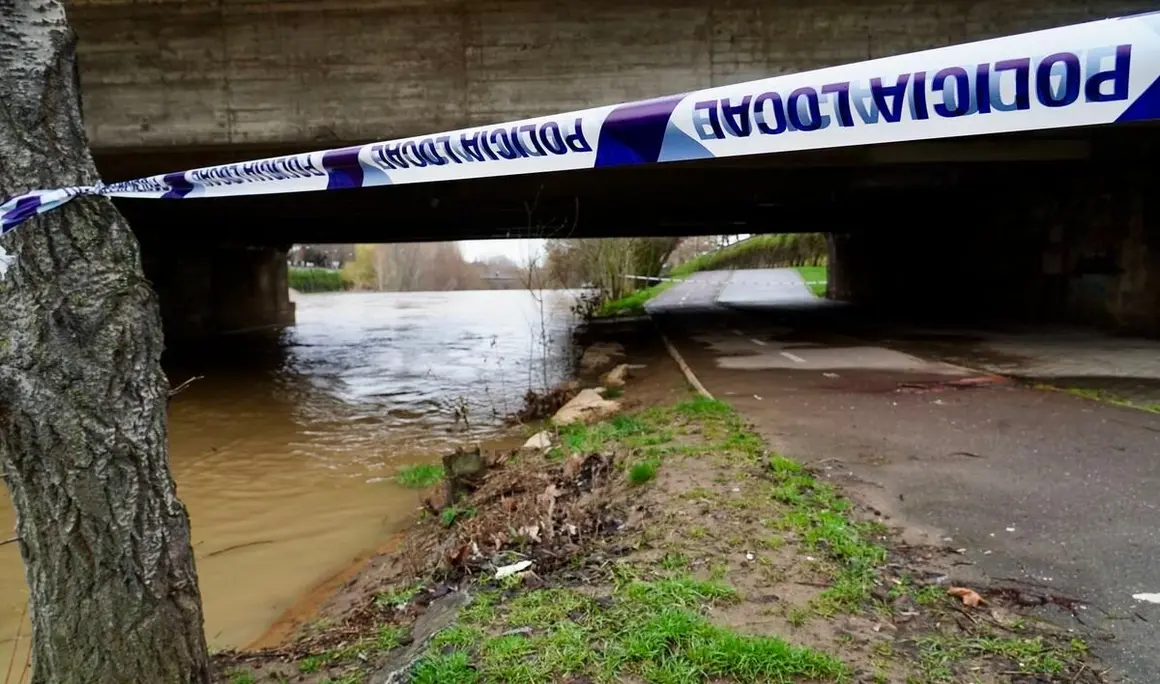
(822,521)
(396,597)
(674,561)
(700,407)
(316,280)
(759,251)
(642,473)
(654,631)
(631,304)
(311,664)
(815,277)
(419,476)
(438,668)
(930,595)
(629,430)
(1032,656)
(242,678)
(453,514)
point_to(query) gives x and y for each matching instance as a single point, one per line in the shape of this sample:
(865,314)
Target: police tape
(1101,72)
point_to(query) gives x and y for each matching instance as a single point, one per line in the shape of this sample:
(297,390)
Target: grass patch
(419,476)
(1032,656)
(700,407)
(642,473)
(628,430)
(242,678)
(311,664)
(439,668)
(396,598)
(760,251)
(453,514)
(930,595)
(656,631)
(815,277)
(821,518)
(631,304)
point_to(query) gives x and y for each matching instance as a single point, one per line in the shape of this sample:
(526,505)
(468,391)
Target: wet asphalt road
(1047,491)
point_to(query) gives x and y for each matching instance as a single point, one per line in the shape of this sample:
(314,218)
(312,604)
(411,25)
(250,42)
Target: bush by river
(316,280)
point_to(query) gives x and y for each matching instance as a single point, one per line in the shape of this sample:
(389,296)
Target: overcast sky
(519,251)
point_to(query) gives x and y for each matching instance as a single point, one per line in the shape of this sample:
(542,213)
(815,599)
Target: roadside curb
(690,376)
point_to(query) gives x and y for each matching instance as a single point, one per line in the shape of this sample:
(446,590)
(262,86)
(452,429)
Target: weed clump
(419,476)
(642,473)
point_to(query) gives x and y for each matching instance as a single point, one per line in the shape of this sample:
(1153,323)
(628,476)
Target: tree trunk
(105,541)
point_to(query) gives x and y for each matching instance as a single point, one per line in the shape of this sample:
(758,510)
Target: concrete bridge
(1057,224)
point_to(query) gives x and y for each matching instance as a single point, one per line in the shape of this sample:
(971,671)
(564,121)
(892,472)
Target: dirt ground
(667,544)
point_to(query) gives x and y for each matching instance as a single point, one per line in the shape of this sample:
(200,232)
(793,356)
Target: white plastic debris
(539,441)
(509,570)
(748,555)
(6,261)
(1150,598)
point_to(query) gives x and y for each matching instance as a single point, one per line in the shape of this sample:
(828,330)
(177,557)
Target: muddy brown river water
(283,452)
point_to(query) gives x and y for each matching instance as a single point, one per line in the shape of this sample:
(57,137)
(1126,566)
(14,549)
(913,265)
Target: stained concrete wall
(205,291)
(1058,244)
(161,73)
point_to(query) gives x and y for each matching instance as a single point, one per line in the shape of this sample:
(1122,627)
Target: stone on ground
(586,407)
(615,378)
(600,356)
(539,441)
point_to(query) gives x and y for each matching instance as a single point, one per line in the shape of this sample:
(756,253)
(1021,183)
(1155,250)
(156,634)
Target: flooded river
(284,450)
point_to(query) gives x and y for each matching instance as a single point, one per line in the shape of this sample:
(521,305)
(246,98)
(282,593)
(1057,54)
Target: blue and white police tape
(1101,72)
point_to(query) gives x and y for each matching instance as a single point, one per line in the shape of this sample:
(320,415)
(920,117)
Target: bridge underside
(1055,227)
(793,192)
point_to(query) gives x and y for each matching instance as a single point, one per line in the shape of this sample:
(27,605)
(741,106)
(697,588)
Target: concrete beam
(187,73)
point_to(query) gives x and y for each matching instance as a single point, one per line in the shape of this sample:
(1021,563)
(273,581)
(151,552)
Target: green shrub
(316,280)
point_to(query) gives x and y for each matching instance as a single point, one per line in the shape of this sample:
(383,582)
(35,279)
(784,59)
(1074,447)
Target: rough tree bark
(105,541)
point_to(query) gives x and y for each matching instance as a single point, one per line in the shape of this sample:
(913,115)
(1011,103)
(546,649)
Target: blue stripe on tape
(25,208)
(678,146)
(343,169)
(1145,107)
(635,133)
(178,186)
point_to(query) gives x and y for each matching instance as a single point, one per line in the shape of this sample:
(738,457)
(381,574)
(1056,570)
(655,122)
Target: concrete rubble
(586,407)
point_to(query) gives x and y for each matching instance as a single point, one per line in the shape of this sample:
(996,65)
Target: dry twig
(185,385)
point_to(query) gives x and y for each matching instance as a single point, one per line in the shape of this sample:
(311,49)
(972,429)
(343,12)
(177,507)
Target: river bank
(285,451)
(666,543)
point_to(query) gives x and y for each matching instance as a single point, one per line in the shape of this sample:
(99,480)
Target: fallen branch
(184,385)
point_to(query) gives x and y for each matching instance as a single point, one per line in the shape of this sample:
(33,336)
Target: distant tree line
(598,264)
(602,264)
(428,267)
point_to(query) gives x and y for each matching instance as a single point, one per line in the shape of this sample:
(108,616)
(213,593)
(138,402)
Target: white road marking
(1150,598)
(737,332)
(793,357)
(757,341)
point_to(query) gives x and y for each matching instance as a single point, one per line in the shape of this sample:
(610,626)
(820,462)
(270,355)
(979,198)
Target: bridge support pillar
(211,290)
